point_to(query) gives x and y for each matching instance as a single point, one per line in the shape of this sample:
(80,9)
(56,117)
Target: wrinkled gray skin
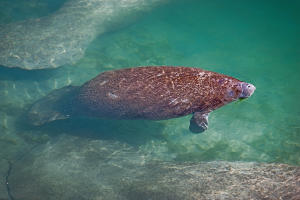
(62,37)
(149,93)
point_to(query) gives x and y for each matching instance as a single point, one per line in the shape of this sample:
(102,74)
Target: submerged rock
(62,37)
(4,166)
(79,168)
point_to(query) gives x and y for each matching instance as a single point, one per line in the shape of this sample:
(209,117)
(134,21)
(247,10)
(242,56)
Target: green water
(254,41)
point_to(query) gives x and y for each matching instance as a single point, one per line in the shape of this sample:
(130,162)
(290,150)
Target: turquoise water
(254,41)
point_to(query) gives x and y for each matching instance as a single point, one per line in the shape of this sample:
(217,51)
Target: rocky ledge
(83,169)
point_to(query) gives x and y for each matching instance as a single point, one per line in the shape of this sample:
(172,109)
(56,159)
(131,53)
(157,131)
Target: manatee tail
(55,106)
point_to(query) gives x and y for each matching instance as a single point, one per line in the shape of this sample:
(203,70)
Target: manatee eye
(231,93)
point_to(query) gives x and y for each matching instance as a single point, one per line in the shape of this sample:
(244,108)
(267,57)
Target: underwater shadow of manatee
(133,132)
(12,74)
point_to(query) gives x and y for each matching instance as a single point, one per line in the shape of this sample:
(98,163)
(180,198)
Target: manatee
(63,36)
(149,93)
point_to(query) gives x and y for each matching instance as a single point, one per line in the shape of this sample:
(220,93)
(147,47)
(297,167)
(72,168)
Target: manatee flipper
(55,106)
(199,122)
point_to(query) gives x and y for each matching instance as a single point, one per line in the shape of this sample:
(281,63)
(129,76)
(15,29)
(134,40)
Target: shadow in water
(21,74)
(133,132)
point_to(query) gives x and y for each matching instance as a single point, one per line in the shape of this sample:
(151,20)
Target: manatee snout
(247,90)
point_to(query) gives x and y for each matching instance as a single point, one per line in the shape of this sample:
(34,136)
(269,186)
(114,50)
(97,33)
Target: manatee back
(146,93)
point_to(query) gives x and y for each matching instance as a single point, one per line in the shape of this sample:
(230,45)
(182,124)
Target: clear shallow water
(253,41)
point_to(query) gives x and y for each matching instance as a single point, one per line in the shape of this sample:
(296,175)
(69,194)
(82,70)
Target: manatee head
(239,90)
(225,90)
(247,90)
